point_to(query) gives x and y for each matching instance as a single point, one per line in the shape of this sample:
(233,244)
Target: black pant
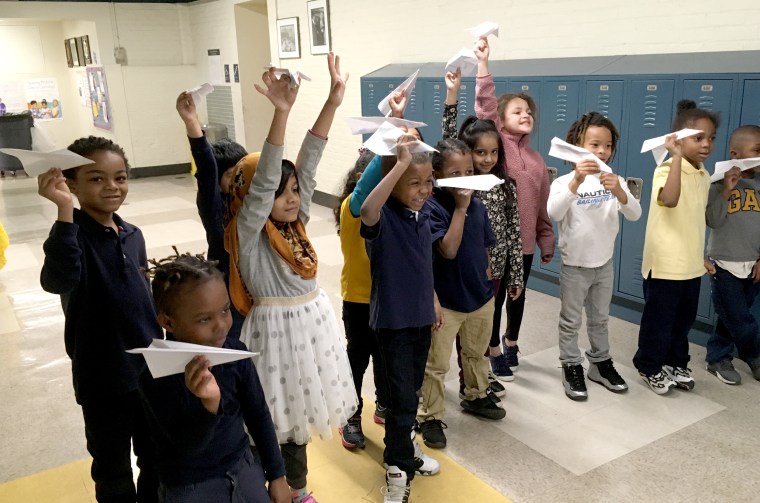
(362,344)
(296,470)
(515,308)
(112,426)
(403,354)
(670,308)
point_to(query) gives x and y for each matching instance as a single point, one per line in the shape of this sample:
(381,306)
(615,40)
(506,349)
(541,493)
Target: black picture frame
(67,48)
(318,18)
(74,48)
(288,38)
(84,43)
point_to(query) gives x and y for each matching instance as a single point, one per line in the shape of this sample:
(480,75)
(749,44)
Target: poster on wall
(43,100)
(100,102)
(11,97)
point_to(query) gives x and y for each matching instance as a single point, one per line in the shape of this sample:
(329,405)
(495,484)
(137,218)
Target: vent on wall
(219,104)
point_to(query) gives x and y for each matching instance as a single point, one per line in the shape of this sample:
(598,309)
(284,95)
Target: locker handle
(552,173)
(635,185)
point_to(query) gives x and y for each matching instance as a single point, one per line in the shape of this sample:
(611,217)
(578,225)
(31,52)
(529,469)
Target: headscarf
(288,240)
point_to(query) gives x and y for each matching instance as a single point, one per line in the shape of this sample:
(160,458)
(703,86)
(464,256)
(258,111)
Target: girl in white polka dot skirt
(290,321)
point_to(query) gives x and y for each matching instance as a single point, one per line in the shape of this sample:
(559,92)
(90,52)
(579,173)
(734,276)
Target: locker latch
(635,185)
(552,174)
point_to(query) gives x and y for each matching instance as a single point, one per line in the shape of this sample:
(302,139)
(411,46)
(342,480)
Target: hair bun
(686,105)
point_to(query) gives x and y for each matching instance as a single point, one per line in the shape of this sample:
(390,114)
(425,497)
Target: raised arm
(370,210)
(453,83)
(486,105)
(324,121)
(371,176)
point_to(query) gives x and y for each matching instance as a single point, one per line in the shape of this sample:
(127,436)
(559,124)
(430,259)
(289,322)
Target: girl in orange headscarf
(302,364)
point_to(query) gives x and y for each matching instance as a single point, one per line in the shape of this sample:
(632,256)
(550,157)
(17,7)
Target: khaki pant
(474,331)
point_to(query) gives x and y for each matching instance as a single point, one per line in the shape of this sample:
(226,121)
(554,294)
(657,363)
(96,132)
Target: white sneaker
(424,464)
(660,382)
(681,376)
(397,487)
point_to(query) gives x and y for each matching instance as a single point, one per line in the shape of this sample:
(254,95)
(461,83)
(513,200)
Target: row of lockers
(642,105)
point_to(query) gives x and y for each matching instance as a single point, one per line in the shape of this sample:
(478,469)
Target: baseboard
(161,170)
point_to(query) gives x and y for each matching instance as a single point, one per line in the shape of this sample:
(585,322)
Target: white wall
(371,34)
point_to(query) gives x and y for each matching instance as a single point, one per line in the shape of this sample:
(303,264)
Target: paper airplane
(366,125)
(743,164)
(465,60)
(201,91)
(657,145)
(166,357)
(476,182)
(572,153)
(36,163)
(295,75)
(407,85)
(384,141)
(483,30)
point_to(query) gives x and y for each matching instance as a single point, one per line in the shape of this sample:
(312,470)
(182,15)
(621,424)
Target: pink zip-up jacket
(527,168)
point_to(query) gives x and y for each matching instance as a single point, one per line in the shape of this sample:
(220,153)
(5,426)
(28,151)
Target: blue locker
(605,97)
(434,98)
(501,86)
(372,92)
(650,115)
(716,95)
(466,100)
(750,111)
(559,107)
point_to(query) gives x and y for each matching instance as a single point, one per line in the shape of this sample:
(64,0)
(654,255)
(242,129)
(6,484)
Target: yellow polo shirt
(675,238)
(355,279)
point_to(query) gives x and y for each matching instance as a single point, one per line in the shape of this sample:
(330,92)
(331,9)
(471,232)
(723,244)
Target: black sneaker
(605,374)
(496,387)
(575,384)
(380,412)
(351,435)
(483,407)
(432,433)
(510,352)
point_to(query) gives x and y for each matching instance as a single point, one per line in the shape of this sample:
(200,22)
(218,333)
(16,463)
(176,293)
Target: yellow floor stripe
(335,476)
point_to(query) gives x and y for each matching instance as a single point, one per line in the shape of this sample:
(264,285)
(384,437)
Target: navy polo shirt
(461,283)
(100,275)
(401,264)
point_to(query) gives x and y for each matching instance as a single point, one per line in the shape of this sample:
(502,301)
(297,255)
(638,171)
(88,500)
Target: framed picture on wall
(319,26)
(84,42)
(288,38)
(74,48)
(67,47)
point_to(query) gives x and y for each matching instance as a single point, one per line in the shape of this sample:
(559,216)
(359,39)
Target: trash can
(215,132)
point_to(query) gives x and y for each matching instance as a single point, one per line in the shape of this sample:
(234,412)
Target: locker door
(605,97)
(650,115)
(466,100)
(712,94)
(500,83)
(435,96)
(372,93)
(750,112)
(529,87)
(415,107)
(559,106)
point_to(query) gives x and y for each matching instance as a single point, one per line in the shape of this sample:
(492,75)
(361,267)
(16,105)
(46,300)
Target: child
(96,261)
(487,149)
(400,249)
(673,259)
(198,418)
(461,236)
(513,115)
(215,165)
(355,290)
(290,321)
(586,211)
(734,248)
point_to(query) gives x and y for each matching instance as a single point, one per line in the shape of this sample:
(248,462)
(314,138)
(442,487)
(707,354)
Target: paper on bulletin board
(100,101)
(43,99)
(215,69)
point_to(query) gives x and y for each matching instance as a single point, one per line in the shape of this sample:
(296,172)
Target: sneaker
(424,464)
(351,435)
(495,386)
(397,487)
(574,383)
(432,433)
(490,393)
(725,371)
(660,382)
(605,374)
(511,353)
(754,366)
(379,415)
(500,368)
(680,376)
(483,407)
(301,496)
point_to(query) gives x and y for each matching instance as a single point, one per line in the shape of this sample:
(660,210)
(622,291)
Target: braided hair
(577,132)
(171,273)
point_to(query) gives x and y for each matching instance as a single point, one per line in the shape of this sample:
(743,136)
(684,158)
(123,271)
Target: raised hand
(52,185)
(278,91)
(673,145)
(482,50)
(398,103)
(453,80)
(462,198)
(337,81)
(202,383)
(403,151)
(186,107)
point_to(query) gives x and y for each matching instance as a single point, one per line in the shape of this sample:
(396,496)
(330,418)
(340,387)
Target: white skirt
(303,366)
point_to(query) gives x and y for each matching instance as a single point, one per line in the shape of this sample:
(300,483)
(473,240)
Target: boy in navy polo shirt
(96,262)
(399,246)
(461,235)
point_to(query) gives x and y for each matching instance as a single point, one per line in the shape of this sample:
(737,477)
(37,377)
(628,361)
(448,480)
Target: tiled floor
(697,446)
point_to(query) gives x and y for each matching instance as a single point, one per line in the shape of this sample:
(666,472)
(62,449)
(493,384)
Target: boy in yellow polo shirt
(673,260)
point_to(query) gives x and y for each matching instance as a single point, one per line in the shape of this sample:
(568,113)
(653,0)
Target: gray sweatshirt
(734,224)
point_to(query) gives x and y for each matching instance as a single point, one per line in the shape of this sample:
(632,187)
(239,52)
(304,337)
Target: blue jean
(737,328)
(403,354)
(243,483)
(670,308)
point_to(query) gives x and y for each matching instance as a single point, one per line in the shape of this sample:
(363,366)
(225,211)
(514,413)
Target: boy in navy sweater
(96,262)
